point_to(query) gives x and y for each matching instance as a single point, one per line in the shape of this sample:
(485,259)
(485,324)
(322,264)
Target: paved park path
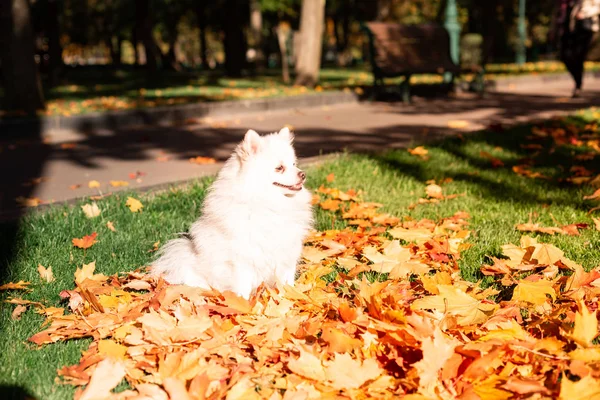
(52,167)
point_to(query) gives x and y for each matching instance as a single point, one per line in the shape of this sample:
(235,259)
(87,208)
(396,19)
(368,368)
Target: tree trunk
(311,42)
(22,86)
(135,42)
(114,44)
(170,58)
(234,43)
(256,32)
(55,49)
(282,32)
(201,19)
(144,31)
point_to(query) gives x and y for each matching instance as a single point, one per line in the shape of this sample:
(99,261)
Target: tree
(143,31)
(201,17)
(311,38)
(54,47)
(22,87)
(234,19)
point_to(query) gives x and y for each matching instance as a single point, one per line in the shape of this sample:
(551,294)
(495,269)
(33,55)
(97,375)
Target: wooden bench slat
(405,49)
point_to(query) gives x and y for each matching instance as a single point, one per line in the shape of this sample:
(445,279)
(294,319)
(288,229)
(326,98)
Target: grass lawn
(103,88)
(496,198)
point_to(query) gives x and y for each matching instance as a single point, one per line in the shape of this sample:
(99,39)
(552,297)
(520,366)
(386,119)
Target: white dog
(253,222)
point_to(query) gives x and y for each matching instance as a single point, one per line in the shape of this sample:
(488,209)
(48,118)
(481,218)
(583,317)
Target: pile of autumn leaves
(417,330)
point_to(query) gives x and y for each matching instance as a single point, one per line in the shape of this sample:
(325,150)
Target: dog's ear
(251,143)
(287,134)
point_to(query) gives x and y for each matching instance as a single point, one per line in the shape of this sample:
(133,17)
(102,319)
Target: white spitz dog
(253,222)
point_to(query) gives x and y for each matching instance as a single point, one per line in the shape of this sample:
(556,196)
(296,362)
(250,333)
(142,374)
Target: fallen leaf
(345,372)
(496,162)
(330,178)
(85,242)
(458,124)
(75,186)
(592,196)
(587,387)
(585,329)
(28,201)
(307,365)
(111,226)
(110,348)
(119,183)
(420,151)
(202,160)
(85,272)
(16,314)
(93,184)
(434,191)
(453,301)
(134,204)
(21,285)
(91,210)
(45,273)
(535,293)
(108,374)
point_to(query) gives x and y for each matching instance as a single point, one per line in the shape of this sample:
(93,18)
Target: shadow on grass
(15,393)
(512,147)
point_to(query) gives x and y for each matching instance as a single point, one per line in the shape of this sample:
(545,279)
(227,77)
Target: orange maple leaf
(85,242)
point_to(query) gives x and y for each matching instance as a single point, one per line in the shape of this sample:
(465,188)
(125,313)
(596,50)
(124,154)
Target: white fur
(250,231)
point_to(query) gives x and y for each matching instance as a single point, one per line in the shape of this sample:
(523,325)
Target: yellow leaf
(93,184)
(591,354)
(106,376)
(586,388)
(487,389)
(111,226)
(118,183)
(393,254)
(434,191)
(134,204)
(313,254)
(345,372)
(547,254)
(45,273)
(453,301)
(110,348)
(418,151)
(458,124)
(586,326)
(85,272)
(21,285)
(307,365)
(91,210)
(436,351)
(534,292)
(418,235)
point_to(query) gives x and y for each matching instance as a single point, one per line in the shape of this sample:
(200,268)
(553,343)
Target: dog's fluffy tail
(177,261)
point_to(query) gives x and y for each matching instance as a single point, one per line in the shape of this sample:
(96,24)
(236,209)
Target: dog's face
(270,162)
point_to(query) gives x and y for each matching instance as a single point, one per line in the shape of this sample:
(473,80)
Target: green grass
(497,199)
(102,88)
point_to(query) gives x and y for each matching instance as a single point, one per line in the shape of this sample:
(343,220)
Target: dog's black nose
(301,175)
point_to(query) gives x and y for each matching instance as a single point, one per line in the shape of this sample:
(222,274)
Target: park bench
(402,50)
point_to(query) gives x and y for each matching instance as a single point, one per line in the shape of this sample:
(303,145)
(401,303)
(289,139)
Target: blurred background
(69,57)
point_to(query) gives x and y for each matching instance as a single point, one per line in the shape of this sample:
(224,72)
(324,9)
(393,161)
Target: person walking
(576,21)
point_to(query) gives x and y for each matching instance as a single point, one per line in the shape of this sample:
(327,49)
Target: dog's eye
(280,169)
